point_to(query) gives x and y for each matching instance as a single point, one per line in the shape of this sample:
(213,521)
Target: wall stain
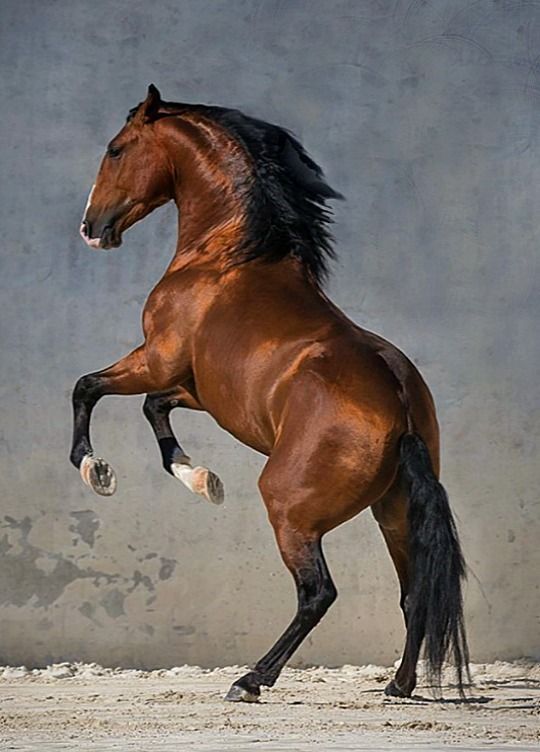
(141,579)
(87,525)
(113,603)
(88,609)
(21,579)
(167,568)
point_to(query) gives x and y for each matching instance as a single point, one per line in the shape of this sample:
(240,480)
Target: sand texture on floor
(85,706)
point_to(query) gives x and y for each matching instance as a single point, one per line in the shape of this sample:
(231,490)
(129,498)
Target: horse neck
(210,172)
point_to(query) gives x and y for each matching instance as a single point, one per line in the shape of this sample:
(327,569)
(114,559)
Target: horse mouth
(111,237)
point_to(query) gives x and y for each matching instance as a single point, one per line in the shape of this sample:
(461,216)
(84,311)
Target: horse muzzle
(105,237)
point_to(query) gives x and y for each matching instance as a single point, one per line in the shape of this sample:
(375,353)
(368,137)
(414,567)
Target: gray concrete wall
(426,116)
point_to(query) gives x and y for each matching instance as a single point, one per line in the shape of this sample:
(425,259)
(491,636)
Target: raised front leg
(199,480)
(128,376)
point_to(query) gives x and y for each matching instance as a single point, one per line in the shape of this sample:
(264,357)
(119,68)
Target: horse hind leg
(301,550)
(157,408)
(316,592)
(391,514)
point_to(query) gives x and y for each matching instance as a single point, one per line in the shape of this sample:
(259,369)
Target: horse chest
(231,386)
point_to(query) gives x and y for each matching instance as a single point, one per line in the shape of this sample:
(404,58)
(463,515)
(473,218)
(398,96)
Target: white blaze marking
(89,200)
(92,242)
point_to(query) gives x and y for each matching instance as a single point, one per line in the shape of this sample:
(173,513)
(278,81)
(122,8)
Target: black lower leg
(405,679)
(316,593)
(157,408)
(86,393)
(395,532)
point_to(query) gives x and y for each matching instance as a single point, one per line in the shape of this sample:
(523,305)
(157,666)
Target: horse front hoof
(99,475)
(239,694)
(392,690)
(200,480)
(207,483)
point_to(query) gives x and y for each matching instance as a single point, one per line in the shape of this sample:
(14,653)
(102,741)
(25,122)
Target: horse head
(134,178)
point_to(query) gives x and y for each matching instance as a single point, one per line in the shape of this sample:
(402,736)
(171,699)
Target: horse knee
(88,389)
(149,407)
(158,405)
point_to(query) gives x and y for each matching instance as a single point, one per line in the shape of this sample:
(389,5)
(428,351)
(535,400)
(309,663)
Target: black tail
(435,602)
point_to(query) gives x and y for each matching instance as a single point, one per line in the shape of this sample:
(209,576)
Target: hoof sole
(199,480)
(392,690)
(239,694)
(99,475)
(212,488)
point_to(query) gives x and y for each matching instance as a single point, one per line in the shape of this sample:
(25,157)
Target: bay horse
(239,326)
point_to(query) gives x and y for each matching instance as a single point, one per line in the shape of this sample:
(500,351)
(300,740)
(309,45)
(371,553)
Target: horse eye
(114,151)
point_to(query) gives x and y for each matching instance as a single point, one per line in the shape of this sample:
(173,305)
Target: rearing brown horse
(239,326)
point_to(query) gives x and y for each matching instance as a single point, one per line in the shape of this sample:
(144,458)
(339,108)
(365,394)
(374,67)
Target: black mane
(287,212)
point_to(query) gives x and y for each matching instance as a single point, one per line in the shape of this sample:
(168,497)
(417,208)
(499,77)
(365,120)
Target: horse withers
(239,326)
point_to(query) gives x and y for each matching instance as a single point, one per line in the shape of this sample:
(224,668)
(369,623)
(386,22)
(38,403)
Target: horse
(240,326)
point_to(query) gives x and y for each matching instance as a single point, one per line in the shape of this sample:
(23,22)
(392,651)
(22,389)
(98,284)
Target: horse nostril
(85,227)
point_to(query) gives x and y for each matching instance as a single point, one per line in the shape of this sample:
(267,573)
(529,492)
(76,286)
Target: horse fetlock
(79,452)
(178,457)
(199,480)
(98,474)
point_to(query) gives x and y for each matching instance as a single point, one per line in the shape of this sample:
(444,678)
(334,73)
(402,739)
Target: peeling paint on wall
(23,580)
(87,525)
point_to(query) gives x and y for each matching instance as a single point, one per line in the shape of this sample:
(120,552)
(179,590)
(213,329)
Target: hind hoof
(99,475)
(239,694)
(392,690)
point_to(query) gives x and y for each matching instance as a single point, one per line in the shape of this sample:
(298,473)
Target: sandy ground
(87,707)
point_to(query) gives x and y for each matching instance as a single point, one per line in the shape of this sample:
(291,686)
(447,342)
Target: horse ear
(148,110)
